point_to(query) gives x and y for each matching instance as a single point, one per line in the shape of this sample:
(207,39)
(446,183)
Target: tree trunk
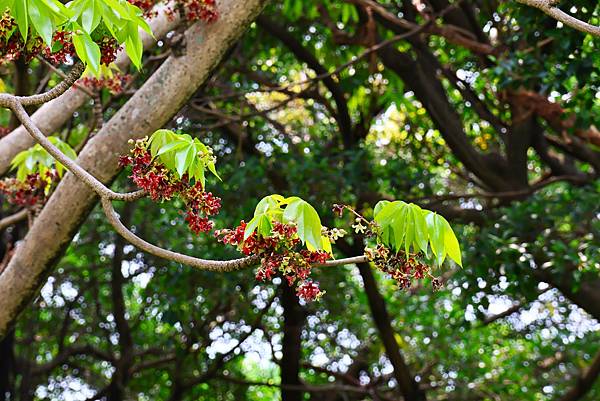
(153,105)
(408,386)
(294,318)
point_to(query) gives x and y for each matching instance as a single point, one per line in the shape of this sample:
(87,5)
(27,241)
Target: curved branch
(202,264)
(547,6)
(98,187)
(107,195)
(55,92)
(13,219)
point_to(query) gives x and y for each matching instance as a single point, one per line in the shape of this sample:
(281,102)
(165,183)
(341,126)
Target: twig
(547,6)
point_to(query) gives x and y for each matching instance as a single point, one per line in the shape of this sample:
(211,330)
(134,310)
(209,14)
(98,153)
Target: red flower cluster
(108,50)
(309,290)
(145,6)
(114,84)
(66,48)
(162,184)
(14,48)
(29,192)
(196,10)
(200,202)
(401,268)
(279,256)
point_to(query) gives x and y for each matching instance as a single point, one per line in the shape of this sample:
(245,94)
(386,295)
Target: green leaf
(307,221)
(213,170)
(268,203)
(21,16)
(170,147)
(421,237)
(451,243)
(183,159)
(436,229)
(391,217)
(91,15)
(41,20)
(87,50)
(134,45)
(380,205)
(160,138)
(260,223)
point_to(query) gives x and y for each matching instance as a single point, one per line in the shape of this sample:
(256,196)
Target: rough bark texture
(53,115)
(150,108)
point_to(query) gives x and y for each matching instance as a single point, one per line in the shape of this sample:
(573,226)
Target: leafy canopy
(88,20)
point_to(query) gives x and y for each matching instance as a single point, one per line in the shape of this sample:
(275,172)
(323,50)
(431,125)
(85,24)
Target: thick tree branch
(53,115)
(176,79)
(547,6)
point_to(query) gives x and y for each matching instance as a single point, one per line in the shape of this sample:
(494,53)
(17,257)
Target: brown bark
(147,110)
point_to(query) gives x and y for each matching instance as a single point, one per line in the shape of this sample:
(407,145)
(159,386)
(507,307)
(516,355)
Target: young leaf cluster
(184,154)
(37,160)
(292,210)
(88,20)
(405,225)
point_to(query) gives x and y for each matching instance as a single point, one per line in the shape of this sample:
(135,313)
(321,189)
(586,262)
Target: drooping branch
(107,196)
(547,6)
(102,190)
(203,264)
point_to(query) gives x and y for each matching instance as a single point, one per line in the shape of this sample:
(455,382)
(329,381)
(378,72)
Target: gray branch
(548,7)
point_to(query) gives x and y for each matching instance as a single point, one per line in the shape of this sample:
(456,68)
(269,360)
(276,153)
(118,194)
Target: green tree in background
(481,114)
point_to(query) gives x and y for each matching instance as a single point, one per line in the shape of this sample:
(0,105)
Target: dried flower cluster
(163,184)
(279,255)
(400,267)
(32,191)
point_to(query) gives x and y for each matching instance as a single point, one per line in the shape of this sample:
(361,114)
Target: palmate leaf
(183,154)
(122,20)
(407,226)
(37,160)
(276,208)
(307,221)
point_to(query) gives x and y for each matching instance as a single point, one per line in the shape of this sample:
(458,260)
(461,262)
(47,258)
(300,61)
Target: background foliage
(489,122)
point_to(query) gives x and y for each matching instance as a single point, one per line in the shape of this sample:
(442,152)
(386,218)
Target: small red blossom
(309,291)
(279,256)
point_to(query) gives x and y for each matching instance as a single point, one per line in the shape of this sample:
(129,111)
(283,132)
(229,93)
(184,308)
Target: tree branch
(13,219)
(547,6)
